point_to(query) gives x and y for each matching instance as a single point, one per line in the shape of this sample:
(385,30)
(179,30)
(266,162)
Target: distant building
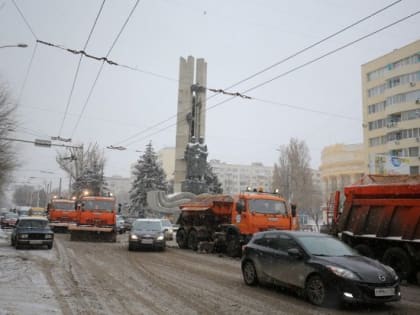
(120,187)
(391,112)
(341,165)
(235,177)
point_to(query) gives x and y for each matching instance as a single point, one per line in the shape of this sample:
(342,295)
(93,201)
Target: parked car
(32,231)
(120,224)
(9,220)
(147,233)
(128,222)
(322,267)
(169,232)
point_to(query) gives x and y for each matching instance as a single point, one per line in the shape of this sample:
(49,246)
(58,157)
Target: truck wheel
(181,238)
(398,259)
(192,240)
(364,250)
(233,248)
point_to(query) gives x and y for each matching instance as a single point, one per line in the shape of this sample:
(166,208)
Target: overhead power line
(274,65)
(28,70)
(102,65)
(24,19)
(78,68)
(289,71)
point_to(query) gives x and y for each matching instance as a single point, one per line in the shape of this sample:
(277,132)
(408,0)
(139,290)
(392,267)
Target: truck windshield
(267,206)
(98,205)
(66,206)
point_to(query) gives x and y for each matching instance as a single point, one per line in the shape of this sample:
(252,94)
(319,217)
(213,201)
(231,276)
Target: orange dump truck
(381,219)
(227,222)
(61,213)
(96,219)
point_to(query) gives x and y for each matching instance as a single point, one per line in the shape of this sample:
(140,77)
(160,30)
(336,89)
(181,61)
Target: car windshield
(11,216)
(33,223)
(66,206)
(267,206)
(325,246)
(166,223)
(147,225)
(98,205)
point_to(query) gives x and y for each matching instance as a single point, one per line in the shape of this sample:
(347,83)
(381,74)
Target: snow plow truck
(381,219)
(224,223)
(95,219)
(61,213)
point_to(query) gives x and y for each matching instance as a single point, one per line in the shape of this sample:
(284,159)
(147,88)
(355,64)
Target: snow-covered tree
(85,167)
(212,181)
(148,175)
(7,125)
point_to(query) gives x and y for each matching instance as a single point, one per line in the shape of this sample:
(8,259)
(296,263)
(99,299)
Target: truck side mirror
(239,207)
(293,206)
(119,208)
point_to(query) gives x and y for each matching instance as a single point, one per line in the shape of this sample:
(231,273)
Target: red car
(9,220)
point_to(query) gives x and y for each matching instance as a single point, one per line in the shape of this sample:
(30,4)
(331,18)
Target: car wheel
(130,247)
(398,259)
(315,290)
(181,238)
(249,273)
(12,242)
(192,240)
(364,250)
(50,246)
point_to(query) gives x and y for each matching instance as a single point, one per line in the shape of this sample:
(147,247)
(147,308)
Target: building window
(414,170)
(413,151)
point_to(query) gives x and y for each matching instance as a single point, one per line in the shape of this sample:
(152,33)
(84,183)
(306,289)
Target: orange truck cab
(228,222)
(61,213)
(96,219)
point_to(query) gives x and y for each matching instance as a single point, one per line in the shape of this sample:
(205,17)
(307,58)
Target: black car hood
(367,269)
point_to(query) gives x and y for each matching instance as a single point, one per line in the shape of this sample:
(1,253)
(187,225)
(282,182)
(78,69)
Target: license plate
(272,219)
(384,291)
(35,242)
(147,241)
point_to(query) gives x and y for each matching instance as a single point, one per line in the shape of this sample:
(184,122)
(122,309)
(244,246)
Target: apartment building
(236,177)
(391,112)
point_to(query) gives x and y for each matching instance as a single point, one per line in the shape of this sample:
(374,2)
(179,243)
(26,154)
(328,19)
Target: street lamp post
(20,45)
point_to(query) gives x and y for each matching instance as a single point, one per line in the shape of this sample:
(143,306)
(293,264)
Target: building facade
(166,158)
(341,165)
(391,112)
(235,177)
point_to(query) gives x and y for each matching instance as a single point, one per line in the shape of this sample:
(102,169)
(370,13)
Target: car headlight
(391,271)
(134,237)
(48,236)
(160,238)
(23,235)
(344,273)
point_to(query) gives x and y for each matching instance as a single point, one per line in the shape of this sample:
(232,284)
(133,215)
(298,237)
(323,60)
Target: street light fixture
(19,45)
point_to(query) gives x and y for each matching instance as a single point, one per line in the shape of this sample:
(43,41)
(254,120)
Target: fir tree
(212,181)
(148,176)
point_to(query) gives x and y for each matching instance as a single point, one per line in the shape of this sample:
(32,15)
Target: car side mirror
(295,253)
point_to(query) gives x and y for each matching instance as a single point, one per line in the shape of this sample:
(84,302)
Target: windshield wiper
(323,255)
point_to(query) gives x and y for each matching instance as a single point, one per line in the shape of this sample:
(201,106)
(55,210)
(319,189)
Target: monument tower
(190,129)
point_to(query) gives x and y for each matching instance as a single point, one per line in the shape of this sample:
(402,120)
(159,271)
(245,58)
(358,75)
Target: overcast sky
(237,39)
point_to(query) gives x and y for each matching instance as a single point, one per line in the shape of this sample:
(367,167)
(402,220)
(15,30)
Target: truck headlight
(134,237)
(23,235)
(160,238)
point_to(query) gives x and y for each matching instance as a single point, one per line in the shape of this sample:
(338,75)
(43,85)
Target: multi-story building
(166,157)
(391,111)
(341,165)
(235,177)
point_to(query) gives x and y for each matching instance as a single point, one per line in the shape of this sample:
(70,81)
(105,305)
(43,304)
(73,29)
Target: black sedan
(147,233)
(326,270)
(32,231)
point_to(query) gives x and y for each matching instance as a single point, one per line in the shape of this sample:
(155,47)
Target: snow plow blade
(92,233)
